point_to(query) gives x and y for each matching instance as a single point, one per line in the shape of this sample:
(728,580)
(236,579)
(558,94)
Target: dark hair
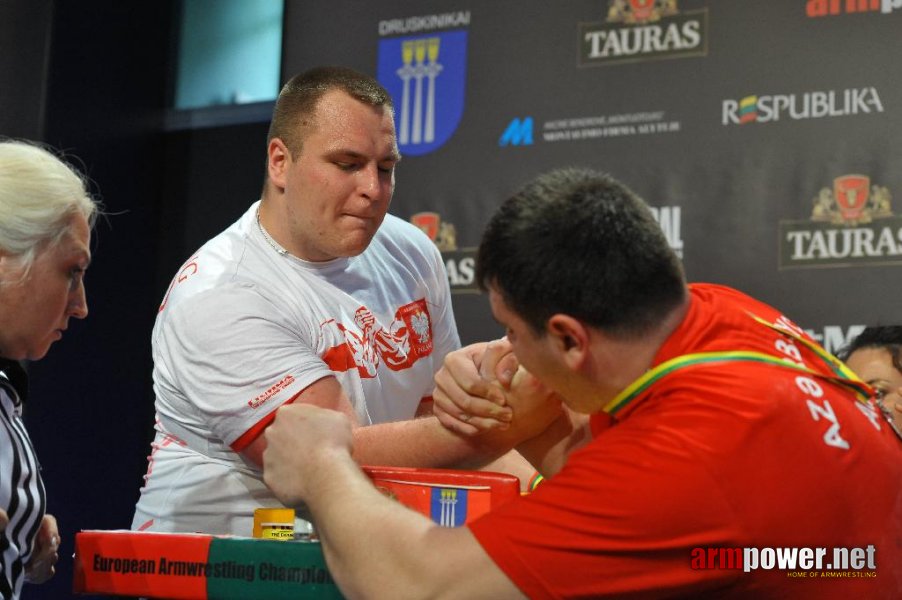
(888,337)
(578,242)
(299,97)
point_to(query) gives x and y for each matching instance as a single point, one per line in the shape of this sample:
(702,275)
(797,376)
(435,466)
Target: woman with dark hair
(876,356)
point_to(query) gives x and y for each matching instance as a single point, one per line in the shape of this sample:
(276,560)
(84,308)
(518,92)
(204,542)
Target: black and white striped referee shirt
(21,489)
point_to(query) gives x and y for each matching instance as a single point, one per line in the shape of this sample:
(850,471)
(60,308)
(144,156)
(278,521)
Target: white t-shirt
(243,329)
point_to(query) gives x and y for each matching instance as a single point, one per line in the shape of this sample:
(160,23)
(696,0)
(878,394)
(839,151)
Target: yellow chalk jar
(274,524)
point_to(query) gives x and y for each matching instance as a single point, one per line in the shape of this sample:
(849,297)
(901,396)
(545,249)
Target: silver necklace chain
(279,249)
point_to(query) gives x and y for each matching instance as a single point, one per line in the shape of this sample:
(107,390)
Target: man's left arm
(373,545)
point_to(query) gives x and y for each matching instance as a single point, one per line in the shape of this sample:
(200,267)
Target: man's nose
(369,181)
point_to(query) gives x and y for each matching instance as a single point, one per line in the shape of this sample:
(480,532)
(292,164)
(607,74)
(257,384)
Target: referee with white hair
(46,215)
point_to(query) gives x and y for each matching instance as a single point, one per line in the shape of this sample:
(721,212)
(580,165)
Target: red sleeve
(585,534)
(254,432)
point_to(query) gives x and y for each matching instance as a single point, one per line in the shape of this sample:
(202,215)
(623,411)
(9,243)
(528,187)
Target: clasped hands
(483,391)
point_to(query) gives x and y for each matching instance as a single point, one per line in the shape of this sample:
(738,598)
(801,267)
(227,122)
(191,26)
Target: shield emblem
(419,327)
(643,10)
(448,506)
(851,193)
(428,222)
(425,76)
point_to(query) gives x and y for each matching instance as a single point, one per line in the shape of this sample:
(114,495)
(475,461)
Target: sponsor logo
(443,235)
(795,107)
(608,126)
(518,133)
(834,338)
(824,8)
(636,30)
(460,263)
(449,20)
(461,268)
(448,506)
(425,74)
(799,561)
(668,217)
(851,223)
(272,391)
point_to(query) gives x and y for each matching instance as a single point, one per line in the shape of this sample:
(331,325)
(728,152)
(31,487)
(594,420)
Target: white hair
(39,194)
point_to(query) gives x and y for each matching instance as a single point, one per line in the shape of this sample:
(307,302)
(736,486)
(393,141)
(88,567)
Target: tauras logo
(807,105)
(442,233)
(643,30)
(851,224)
(461,268)
(460,264)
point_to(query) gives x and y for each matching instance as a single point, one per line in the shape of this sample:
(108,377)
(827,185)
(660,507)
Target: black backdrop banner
(765,135)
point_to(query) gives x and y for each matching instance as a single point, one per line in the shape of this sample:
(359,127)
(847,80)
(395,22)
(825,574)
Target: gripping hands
(481,390)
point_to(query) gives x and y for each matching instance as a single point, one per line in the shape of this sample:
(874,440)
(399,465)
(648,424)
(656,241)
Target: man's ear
(278,162)
(570,338)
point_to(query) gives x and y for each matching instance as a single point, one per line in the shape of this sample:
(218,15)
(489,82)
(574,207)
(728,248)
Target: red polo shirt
(733,454)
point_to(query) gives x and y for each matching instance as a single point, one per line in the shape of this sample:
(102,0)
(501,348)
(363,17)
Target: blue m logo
(518,133)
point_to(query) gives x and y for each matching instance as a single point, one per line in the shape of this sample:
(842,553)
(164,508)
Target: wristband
(534,481)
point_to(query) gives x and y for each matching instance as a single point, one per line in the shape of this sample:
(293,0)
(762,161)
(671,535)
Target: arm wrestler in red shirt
(701,433)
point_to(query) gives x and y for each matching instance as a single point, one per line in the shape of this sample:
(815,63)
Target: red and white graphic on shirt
(365,343)
(188,269)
